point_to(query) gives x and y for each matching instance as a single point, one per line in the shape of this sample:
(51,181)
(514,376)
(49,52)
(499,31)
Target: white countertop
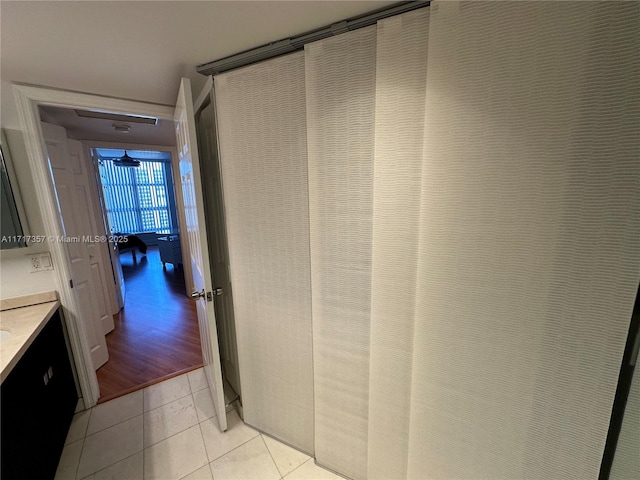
(24,324)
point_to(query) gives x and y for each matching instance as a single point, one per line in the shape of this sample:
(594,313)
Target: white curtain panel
(262,132)
(401,80)
(341,90)
(528,261)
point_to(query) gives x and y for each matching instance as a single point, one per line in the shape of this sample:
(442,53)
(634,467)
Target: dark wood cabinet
(38,400)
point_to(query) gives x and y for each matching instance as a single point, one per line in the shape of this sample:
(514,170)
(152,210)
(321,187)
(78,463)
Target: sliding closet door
(341,87)
(263,151)
(528,262)
(401,81)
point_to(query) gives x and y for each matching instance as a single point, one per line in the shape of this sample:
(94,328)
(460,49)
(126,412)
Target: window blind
(136,199)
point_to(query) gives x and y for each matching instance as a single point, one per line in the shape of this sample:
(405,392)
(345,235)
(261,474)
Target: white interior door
(112,249)
(198,254)
(76,223)
(97,250)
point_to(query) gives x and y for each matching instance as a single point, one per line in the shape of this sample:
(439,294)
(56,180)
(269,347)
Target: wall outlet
(40,262)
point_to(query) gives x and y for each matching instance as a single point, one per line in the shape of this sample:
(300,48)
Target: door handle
(196,295)
(218,292)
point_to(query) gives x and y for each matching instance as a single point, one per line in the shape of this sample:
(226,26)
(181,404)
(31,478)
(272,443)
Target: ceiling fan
(126,161)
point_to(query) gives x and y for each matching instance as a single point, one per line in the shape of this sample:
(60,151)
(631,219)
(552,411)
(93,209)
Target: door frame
(107,258)
(207,98)
(28,98)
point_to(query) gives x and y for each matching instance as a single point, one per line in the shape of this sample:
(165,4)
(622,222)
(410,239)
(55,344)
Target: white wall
(15,264)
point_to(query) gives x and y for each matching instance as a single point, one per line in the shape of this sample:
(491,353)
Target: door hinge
(71,283)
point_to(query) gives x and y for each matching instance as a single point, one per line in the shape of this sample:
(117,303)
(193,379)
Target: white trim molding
(28,98)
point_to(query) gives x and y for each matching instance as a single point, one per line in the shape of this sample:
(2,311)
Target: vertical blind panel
(399,132)
(262,130)
(340,74)
(528,259)
(626,463)
(136,198)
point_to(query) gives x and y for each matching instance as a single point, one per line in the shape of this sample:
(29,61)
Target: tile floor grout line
(271,455)
(143,449)
(206,454)
(114,425)
(218,458)
(299,466)
(108,466)
(205,445)
(172,435)
(84,438)
(75,475)
(105,428)
(112,464)
(172,401)
(201,466)
(91,412)
(145,411)
(215,414)
(189,382)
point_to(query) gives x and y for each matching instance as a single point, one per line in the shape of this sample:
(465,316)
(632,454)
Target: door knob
(196,295)
(217,292)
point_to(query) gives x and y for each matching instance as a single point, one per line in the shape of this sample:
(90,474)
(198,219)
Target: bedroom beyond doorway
(156,333)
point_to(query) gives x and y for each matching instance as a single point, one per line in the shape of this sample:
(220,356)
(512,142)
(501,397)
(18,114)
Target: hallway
(156,334)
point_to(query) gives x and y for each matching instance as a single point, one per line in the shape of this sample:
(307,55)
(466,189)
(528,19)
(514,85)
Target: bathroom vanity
(38,390)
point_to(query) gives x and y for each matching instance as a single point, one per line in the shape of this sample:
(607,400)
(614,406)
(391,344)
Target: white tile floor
(169,431)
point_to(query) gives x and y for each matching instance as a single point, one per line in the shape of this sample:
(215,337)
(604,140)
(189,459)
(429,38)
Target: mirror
(12,233)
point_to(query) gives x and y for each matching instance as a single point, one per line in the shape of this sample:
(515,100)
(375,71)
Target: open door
(114,254)
(198,254)
(102,280)
(71,193)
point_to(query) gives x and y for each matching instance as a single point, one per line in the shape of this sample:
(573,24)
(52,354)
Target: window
(136,198)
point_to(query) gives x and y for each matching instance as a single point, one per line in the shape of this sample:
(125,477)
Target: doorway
(153,333)
(178,119)
(206,128)
(156,333)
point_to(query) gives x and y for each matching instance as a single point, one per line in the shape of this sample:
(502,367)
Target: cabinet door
(38,401)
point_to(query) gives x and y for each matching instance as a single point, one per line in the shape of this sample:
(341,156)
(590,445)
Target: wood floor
(156,335)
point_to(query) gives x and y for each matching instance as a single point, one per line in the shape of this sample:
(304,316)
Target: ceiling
(140,49)
(81,128)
